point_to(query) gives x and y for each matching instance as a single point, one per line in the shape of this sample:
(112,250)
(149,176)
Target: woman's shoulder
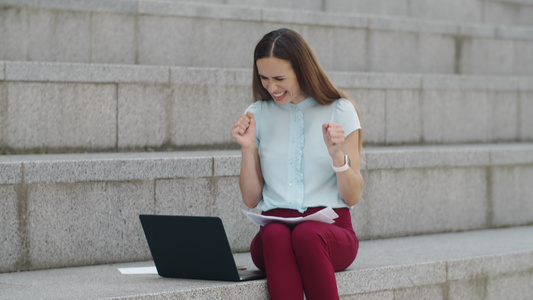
(343,104)
(255,107)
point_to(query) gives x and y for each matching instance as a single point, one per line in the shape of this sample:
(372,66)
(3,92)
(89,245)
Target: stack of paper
(326,215)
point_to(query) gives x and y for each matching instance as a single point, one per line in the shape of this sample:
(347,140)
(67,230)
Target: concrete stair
(506,12)
(58,107)
(65,210)
(487,264)
(209,35)
(132,101)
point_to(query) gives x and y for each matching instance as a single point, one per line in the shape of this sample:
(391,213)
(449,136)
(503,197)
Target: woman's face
(279,79)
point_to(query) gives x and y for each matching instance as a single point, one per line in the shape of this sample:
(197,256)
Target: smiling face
(279,79)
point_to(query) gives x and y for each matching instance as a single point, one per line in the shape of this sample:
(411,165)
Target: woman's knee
(275,231)
(306,235)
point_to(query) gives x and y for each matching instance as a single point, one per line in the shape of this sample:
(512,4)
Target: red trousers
(305,257)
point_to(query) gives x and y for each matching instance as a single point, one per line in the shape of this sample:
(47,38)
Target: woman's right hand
(244,130)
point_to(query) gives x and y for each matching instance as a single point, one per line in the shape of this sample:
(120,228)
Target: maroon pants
(305,257)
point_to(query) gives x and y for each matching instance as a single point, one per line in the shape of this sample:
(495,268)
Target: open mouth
(279,95)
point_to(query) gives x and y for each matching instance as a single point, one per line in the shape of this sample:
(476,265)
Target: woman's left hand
(333,137)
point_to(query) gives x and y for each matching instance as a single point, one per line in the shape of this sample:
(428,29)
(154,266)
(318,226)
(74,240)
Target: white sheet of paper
(326,215)
(138,270)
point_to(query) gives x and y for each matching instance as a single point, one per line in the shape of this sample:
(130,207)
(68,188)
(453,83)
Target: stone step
(209,35)
(63,107)
(82,209)
(504,12)
(485,264)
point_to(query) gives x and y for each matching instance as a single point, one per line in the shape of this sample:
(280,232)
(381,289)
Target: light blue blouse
(295,161)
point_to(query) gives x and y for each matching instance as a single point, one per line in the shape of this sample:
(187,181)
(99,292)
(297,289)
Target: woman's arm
(251,178)
(349,182)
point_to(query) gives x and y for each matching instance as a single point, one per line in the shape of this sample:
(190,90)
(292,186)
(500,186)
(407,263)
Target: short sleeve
(255,108)
(346,115)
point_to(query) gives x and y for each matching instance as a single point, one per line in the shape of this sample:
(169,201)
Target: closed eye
(275,78)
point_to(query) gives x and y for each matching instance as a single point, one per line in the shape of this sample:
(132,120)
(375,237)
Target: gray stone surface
(390,277)
(3,108)
(228,164)
(408,190)
(451,10)
(386,295)
(229,205)
(211,76)
(516,262)
(514,154)
(523,51)
(195,107)
(330,45)
(468,279)
(191,196)
(437,54)
(414,26)
(58,35)
(526,111)
(503,119)
(372,107)
(367,80)
(424,292)
(512,195)
(55,115)
(403,117)
(455,116)
(466,82)
(94,73)
(203,115)
(175,33)
(494,11)
(90,5)
(499,259)
(420,201)
(168,34)
(374,7)
(518,285)
(410,157)
(117,167)
(10,173)
(13,26)
(87,223)
(113,46)
(143,115)
(476,52)
(404,58)
(11,240)
(508,12)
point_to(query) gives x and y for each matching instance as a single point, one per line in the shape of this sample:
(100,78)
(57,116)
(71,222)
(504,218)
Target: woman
(297,142)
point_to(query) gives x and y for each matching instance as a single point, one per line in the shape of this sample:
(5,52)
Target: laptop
(192,247)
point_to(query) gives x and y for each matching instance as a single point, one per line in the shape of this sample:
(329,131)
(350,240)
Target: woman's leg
(320,250)
(272,251)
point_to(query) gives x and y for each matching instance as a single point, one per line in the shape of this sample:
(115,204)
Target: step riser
(204,36)
(478,11)
(69,107)
(68,211)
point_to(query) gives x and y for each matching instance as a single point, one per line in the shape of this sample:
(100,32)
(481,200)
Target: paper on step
(138,270)
(326,215)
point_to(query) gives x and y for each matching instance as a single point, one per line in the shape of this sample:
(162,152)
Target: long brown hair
(289,45)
